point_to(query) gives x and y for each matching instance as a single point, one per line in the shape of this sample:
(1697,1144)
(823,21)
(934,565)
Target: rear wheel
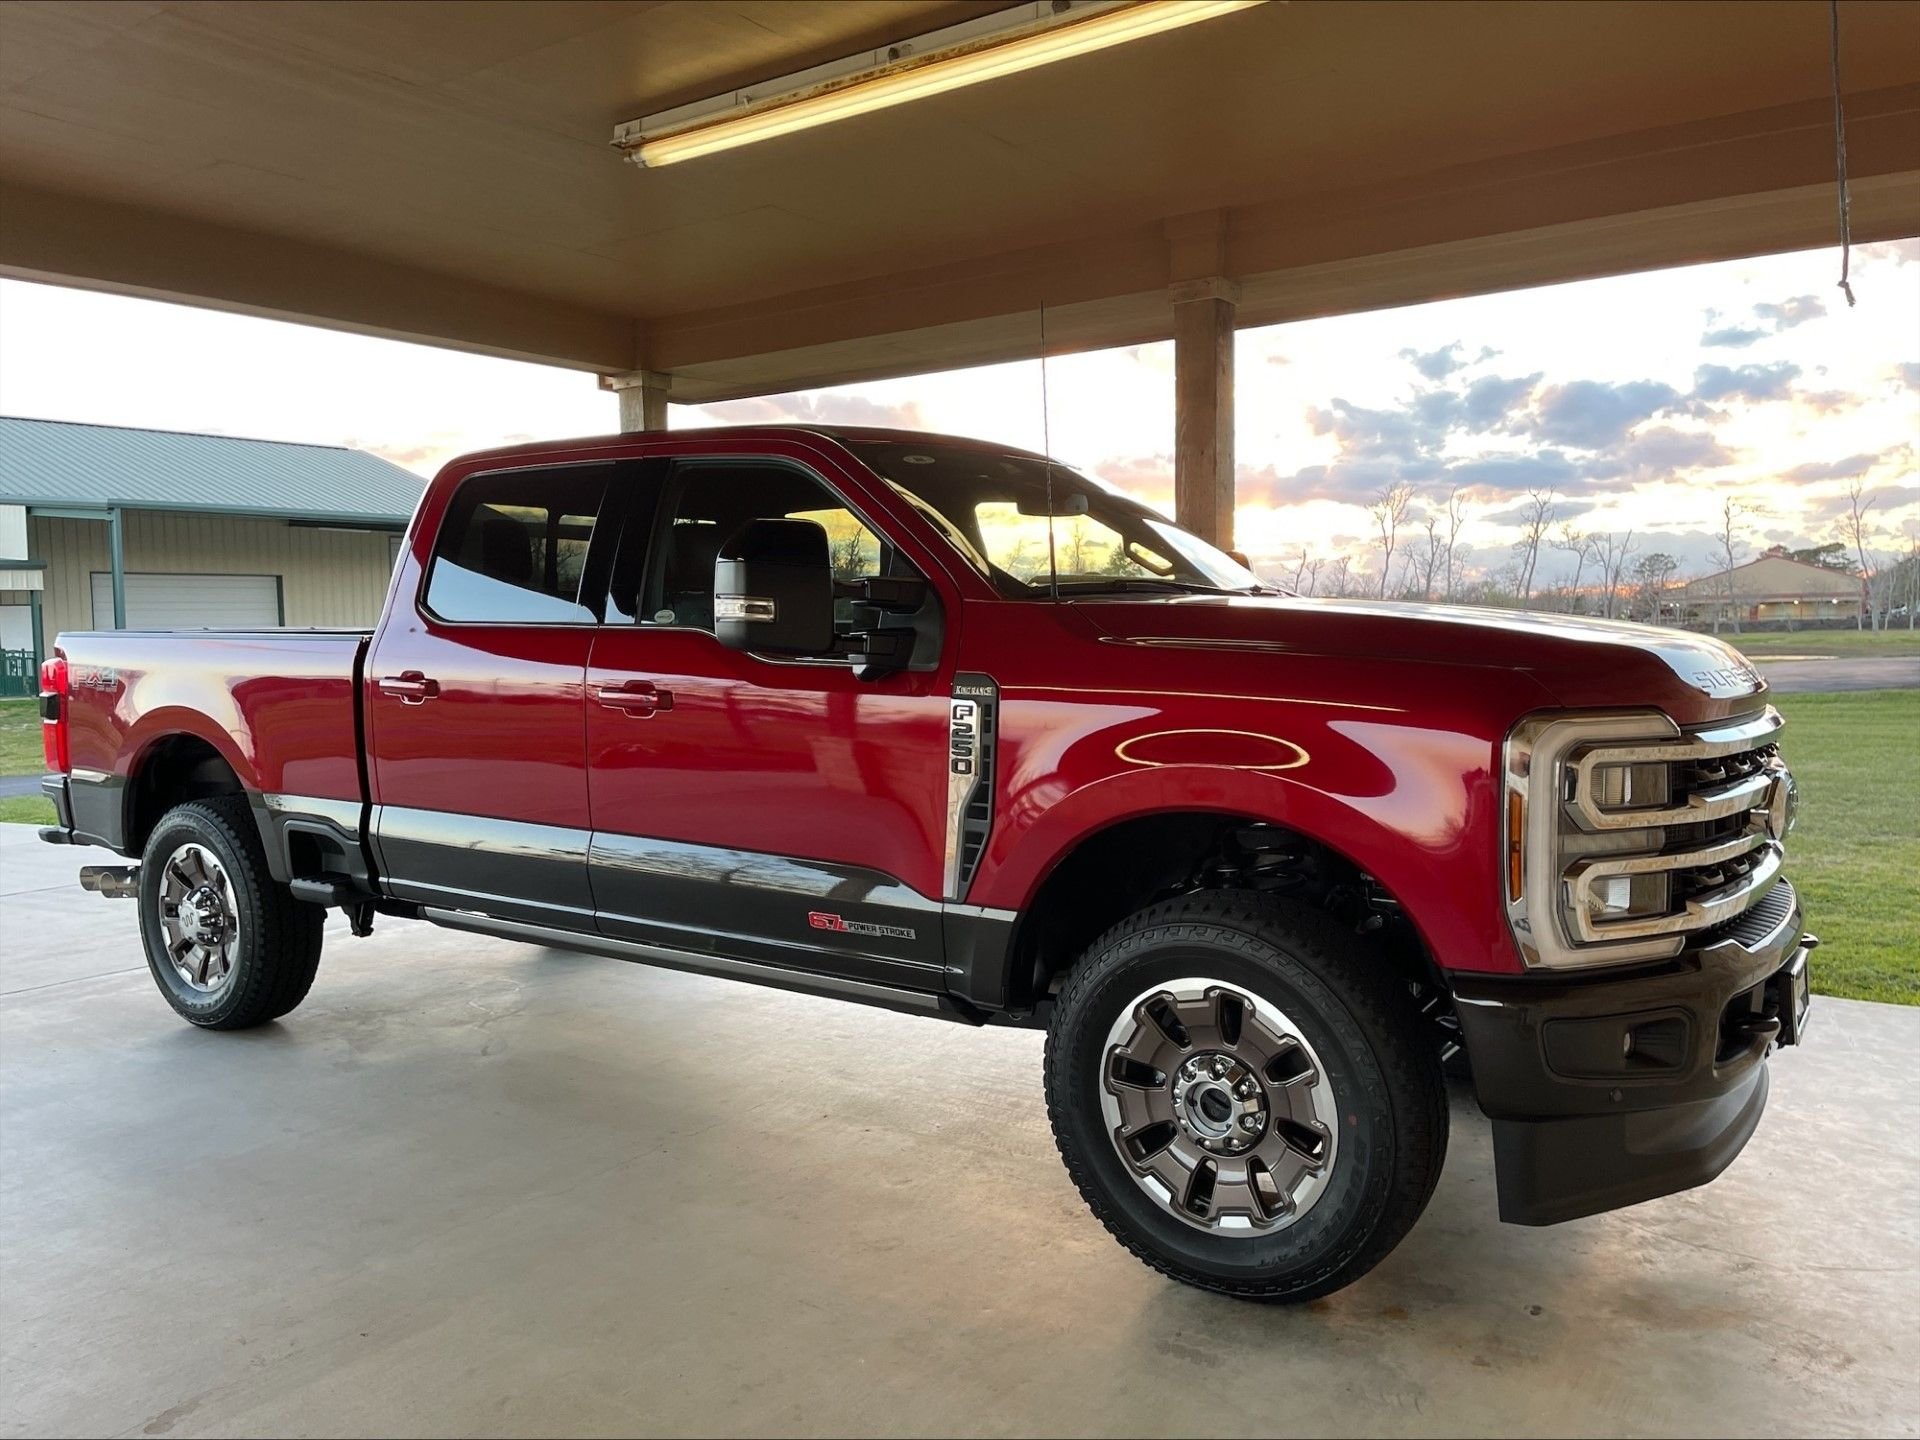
(228,947)
(1244,1097)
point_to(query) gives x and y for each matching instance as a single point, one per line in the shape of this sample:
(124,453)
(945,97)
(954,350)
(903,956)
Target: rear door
(778,810)
(474,697)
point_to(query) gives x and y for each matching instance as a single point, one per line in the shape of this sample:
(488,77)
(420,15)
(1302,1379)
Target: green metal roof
(55,463)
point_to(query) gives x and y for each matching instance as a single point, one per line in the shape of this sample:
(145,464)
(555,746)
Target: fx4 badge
(821,920)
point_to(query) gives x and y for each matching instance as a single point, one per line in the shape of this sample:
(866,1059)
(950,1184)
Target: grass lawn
(20,738)
(1855,856)
(1826,642)
(26,810)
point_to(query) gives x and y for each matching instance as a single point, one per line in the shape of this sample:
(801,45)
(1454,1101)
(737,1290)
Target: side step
(330,892)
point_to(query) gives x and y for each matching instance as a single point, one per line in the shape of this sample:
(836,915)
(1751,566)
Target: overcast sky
(1641,401)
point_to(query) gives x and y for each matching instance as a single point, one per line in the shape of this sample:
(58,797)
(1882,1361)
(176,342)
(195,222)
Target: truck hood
(1580,662)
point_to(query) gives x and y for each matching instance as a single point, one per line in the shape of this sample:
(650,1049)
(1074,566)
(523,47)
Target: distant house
(1774,587)
(210,531)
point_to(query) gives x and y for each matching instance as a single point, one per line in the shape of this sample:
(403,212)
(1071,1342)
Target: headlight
(1624,835)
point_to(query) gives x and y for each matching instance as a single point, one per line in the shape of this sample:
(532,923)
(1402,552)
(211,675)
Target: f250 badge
(822,920)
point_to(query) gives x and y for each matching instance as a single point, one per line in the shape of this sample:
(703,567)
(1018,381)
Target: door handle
(637,697)
(411,686)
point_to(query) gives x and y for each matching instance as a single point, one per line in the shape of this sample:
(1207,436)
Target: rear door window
(514,547)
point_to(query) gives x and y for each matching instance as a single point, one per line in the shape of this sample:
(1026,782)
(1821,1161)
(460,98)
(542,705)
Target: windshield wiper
(1145,583)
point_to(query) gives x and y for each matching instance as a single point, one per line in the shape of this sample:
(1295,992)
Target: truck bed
(280,707)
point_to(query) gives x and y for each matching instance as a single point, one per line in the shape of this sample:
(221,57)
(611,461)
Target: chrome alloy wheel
(200,917)
(1218,1107)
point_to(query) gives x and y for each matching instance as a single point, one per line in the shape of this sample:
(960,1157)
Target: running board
(724,967)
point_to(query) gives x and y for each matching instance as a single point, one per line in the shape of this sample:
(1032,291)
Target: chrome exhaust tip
(116,882)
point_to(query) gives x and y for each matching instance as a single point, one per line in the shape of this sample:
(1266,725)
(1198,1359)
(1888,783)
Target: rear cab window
(514,548)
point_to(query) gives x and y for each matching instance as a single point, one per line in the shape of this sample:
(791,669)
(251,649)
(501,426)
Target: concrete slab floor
(478,1188)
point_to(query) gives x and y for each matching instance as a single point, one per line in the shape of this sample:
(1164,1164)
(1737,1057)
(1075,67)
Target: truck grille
(1704,817)
(1625,834)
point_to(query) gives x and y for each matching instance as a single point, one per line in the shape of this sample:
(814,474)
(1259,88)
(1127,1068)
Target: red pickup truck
(947,727)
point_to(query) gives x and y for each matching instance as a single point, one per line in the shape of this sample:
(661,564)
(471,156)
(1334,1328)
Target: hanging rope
(1840,153)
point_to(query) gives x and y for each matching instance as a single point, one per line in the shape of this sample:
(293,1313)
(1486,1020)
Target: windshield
(993,508)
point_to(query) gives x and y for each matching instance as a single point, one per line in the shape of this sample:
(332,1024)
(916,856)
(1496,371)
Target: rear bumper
(54,787)
(1606,1091)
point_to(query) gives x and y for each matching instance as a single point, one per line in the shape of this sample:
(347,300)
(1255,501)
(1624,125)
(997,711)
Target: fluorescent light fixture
(1020,39)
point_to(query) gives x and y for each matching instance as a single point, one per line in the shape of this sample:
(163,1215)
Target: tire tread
(1250,924)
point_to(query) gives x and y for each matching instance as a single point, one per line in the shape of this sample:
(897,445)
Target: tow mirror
(773,589)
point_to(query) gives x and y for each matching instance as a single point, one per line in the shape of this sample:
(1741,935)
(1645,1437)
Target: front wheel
(227,946)
(1244,1096)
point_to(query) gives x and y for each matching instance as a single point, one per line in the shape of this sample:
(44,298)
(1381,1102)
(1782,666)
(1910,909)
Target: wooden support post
(643,399)
(1203,480)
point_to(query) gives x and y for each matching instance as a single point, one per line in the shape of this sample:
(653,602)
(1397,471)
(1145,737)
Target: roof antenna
(1840,151)
(1046,446)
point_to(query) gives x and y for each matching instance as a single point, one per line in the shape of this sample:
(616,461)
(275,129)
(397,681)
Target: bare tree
(1427,558)
(1526,550)
(1456,521)
(1389,512)
(1651,577)
(1579,545)
(1076,556)
(1610,553)
(1730,548)
(1857,531)
(1341,582)
(1306,572)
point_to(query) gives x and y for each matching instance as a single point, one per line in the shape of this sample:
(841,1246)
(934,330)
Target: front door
(773,810)
(474,698)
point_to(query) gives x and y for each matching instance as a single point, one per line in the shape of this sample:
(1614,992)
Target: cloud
(1436,365)
(1593,414)
(1907,374)
(1492,398)
(1847,469)
(1512,474)
(826,408)
(1733,337)
(1147,478)
(1881,500)
(1660,454)
(1752,383)
(1789,313)
(1777,316)
(1827,402)
(1518,515)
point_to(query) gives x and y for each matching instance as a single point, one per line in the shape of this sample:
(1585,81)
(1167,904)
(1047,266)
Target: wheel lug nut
(1249,1123)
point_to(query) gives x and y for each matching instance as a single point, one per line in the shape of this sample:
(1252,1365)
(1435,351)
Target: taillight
(53,714)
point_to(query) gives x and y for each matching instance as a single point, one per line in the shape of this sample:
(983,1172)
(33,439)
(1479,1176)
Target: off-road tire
(1391,1102)
(279,947)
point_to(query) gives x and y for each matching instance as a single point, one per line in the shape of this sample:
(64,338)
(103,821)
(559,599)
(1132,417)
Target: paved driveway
(1873,672)
(474,1187)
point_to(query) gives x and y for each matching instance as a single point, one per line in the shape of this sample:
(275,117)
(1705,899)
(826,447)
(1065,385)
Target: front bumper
(1606,1091)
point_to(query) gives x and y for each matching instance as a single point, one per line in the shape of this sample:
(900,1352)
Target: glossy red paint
(1375,730)
(278,705)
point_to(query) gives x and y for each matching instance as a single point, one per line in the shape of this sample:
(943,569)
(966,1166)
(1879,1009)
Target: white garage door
(169,602)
